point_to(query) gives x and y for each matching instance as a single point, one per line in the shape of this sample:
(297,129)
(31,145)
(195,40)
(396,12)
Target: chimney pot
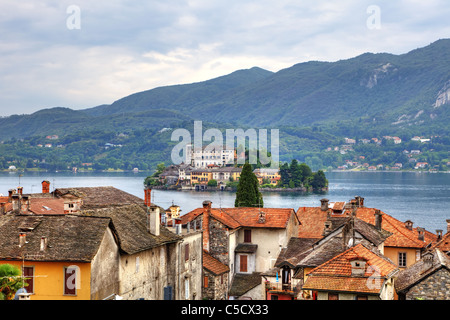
(324,204)
(20,190)
(153,220)
(409,224)
(448,225)
(22,239)
(439,234)
(43,243)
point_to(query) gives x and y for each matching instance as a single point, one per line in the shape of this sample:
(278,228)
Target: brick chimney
(45,186)
(378,219)
(10,194)
(359,201)
(448,225)
(43,245)
(148,196)
(205,223)
(22,239)
(20,190)
(439,234)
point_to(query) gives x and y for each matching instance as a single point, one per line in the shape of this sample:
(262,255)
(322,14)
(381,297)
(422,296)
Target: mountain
(315,105)
(392,89)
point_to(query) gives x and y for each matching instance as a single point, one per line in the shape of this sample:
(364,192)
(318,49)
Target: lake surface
(423,198)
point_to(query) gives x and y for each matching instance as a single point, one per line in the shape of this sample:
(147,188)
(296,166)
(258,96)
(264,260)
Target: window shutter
(243,263)
(70,281)
(28,272)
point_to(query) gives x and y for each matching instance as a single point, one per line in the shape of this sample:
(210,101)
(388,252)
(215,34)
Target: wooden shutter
(28,272)
(248,236)
(186,252)
(243,263)
(70,281)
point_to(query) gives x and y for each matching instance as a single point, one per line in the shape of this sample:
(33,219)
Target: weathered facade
(428,279)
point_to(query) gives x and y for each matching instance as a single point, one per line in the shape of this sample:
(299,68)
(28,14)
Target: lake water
(423,198)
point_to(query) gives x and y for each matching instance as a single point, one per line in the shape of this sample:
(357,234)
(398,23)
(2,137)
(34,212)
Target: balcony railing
(286,288)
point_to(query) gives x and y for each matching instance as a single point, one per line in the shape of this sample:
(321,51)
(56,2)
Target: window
(402,259)
(247,235)
(70,280)
(360,297)
(186,252)
(28,272)
(333,296)
(243,263)
(186,289)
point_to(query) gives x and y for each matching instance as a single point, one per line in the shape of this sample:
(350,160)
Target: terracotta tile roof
(213,265)
(443,244)
(401,236)
(245,217)
(70,238)
(313,219)
(312,222)
(47,205)
(336,274)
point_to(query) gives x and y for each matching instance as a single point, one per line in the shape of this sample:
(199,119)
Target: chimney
(10,194)
(262,217)
(421,235)
(205,223)
(427,261)
(439,234)
(153,220)
(2,208)
(24,204)
(409,224)
(378,219)
(45,186)
(22,239)
(359,201)
(15,202)
(448,225)
(20,190)
(44,242)
(148,196)
(327,229)
(324,204)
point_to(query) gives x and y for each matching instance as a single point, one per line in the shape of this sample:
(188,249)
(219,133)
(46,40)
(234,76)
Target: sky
(81,54)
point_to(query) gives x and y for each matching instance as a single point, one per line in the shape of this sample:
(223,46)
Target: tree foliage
(248,194)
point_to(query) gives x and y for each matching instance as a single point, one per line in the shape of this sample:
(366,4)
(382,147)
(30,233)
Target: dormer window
(358,266)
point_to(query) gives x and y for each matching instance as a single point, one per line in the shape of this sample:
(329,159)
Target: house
(64,257)
(285,281)
(145,260)
(207,155)
(215,278)
(247,240)
(359,273)
(270,174)
(427,279)
(404,246)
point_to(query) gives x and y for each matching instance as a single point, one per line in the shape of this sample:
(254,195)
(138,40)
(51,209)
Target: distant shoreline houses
(101,243)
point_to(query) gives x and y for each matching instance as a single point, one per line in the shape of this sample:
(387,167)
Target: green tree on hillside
(247,194)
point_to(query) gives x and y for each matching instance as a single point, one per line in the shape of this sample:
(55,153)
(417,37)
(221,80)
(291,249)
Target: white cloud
(125,47)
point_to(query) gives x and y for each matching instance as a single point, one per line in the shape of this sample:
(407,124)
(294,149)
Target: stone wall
(217,288)
(435,287)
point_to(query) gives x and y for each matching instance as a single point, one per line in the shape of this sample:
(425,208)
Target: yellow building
(63,257)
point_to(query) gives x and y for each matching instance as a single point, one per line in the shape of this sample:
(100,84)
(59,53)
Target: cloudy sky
(81,54)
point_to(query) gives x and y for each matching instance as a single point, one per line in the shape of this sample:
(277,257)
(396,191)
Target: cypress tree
(247,194)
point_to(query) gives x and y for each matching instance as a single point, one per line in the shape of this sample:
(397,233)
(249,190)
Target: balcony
(284,288)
